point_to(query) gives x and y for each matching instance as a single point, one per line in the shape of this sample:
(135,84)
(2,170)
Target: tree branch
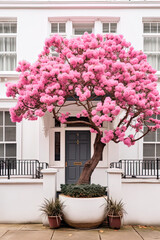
(124,117)
(80,122)
(142,135)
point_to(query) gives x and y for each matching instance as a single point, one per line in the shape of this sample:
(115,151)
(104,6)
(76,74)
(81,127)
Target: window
(109,27)
(152,43)
(57,146)
(57,123)
(8,55)
(151,144)
(7,137)
(58,28)
(80,28)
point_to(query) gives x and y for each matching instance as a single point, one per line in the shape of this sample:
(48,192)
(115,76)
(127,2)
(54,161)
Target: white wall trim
(150,19)
(21,181)
(78,5)
(139,180)
(85,19)
(8,19)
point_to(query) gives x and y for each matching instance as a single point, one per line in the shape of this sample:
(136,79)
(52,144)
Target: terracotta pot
(54,221)
(114,222)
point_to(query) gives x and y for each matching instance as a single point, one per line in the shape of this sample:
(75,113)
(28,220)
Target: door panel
(72,172)
(71,136)
(77,153)
(72,151)
(83,151)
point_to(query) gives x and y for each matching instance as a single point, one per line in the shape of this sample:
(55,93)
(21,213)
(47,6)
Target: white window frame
(54,53)
(109,27)
(156,143)
(81,25)
(60,33)
(9,53)
(4,142)
(152,35)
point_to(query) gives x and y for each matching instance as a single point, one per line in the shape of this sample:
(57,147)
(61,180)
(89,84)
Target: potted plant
(114,212)
(84,204)
(53,209)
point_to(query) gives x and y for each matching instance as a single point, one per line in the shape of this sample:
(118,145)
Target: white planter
(83,212)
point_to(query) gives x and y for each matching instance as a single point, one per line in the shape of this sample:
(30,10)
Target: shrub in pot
(53,210)
(115,211)
(84,204)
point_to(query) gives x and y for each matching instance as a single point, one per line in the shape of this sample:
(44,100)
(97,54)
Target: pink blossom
(105,80)
(39,113)
(78,115)
(127,141)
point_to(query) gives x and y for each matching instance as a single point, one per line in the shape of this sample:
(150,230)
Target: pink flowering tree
(88,68)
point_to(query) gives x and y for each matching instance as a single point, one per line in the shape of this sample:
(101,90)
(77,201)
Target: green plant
(83,190)
(115,208)
(52,208)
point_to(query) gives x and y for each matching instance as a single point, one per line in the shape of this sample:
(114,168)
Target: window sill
(8,75)
(158,73)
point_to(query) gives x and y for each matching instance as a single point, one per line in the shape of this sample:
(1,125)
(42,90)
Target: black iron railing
(138,168)
(12,167)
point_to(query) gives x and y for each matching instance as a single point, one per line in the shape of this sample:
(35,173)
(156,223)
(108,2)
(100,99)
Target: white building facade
(24,26)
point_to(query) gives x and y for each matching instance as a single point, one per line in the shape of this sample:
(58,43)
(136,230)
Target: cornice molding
(78,4)
(81,19)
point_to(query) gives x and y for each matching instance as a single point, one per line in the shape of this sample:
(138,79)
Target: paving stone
(35,227)
(148,233)
(27,235)
(11,226)
(2,232)
(75,235)
(40,232)
(125,233)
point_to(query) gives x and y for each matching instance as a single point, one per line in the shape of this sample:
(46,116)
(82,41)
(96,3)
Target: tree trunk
(91,164)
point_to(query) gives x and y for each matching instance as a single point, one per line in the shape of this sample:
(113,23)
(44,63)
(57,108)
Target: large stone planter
(83,212)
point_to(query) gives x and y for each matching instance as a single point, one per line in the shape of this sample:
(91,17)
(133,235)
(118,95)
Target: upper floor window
(81,28)
(151,34)
(8,55)
(109,27)
(59,28)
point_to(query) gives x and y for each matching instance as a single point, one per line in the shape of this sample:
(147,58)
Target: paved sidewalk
(40,232)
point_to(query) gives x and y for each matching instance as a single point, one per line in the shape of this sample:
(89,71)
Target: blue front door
(77,153)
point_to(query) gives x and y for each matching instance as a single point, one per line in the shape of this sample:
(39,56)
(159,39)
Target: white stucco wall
(141,198)
(20,200)
(30,139)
